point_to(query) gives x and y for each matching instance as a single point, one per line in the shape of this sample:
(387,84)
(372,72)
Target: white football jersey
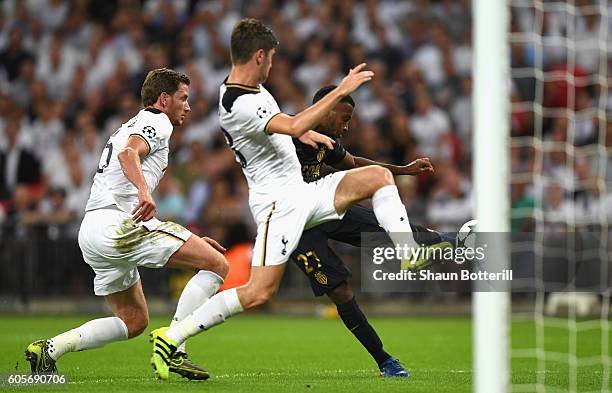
(268,161)
(110,185)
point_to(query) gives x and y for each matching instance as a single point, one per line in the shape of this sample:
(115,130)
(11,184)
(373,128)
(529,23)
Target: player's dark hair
(322,92)
(248,36)
(161,80)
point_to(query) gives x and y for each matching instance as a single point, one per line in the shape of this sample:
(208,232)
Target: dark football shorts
(319,262)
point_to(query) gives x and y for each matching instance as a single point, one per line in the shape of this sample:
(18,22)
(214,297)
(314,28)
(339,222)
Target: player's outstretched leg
(357,323)
(377,183)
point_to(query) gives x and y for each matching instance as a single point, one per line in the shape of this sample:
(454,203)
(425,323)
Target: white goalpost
(561,49)
(490,313)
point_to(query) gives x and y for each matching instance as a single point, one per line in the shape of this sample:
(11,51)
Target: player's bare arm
(306,120)
(129,158)
(416,167)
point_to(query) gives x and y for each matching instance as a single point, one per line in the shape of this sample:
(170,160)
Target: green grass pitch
(266,353)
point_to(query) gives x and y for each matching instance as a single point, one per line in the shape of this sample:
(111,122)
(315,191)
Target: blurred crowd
(71,71)
(561,105)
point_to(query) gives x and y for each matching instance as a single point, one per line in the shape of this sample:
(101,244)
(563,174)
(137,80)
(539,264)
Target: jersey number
(230,141)
(109,147)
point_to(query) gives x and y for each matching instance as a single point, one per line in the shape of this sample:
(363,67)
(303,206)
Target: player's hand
(313,138)
(418,166)
(214,244)
(355,78)
(145,210)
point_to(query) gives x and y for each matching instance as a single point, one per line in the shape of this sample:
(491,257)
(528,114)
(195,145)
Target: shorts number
(304,259)
(109,149)
(230,141)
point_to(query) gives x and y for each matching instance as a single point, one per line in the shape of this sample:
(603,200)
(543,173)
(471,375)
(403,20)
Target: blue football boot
(392,368)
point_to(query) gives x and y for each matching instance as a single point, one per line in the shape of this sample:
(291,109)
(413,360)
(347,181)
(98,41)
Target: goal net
(561,192)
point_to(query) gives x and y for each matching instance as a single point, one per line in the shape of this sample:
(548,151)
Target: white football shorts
(282,218)
(114,247)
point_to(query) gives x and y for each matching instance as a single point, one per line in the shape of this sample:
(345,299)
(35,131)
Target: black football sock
(357,323)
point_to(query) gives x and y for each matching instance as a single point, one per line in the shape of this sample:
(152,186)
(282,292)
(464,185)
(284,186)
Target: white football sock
(215,311)
(92,334)
(392,216)
(197,291)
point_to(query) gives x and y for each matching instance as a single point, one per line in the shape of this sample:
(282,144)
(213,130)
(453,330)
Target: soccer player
(119,232)
(282,204)
(327,273)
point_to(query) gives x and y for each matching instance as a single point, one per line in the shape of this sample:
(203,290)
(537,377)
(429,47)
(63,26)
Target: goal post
(491,70)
